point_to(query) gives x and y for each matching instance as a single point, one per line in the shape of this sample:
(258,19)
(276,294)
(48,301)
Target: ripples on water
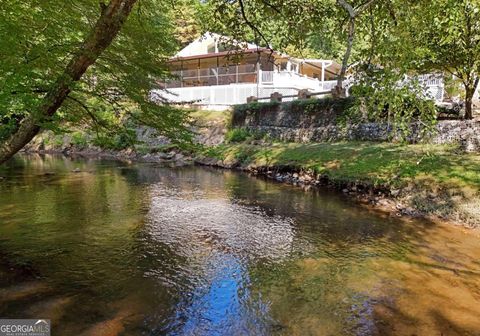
(139,249)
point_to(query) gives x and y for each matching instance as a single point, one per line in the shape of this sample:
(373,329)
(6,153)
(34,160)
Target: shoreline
(382,198)
(124,156)
(369,196)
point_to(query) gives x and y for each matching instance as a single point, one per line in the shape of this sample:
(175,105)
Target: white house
(215,72)
(209,73)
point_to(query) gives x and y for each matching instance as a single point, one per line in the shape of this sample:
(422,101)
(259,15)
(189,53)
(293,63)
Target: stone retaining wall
(324,124)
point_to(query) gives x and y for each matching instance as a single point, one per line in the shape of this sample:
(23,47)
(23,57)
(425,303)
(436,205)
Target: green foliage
(237,135)
(373,163)
(241,111)
(278,23)
(453,87)
(79,139)
(431,36)
(52,139)
(8,125)
(408,37)
(314,105)
(255,107)
(384,98)
(186,17)
(115,141)
(37,39)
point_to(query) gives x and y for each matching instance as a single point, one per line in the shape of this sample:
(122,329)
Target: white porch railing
(286,83)
(329,85)
(434,85)
(223,94)
(266,77)
(293,79)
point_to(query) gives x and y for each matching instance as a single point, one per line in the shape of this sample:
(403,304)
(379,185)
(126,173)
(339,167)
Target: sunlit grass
(377,163)
(208,116)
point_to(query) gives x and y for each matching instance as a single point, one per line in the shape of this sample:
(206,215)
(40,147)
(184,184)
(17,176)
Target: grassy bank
(433,179)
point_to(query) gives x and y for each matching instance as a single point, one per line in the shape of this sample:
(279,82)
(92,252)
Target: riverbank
(167,155)
(436,181)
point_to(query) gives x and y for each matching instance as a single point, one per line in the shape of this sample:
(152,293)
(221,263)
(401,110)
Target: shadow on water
(108,248)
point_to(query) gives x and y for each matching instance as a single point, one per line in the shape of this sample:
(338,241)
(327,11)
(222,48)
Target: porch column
(258,77)
(323,71)
(259,73)
(181,73)
(198,71)
(216,75)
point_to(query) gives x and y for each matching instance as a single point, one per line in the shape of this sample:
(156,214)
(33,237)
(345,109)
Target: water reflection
(106,248)
(223,305)
(196,226)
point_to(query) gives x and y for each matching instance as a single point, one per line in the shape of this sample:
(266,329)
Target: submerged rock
(22,291)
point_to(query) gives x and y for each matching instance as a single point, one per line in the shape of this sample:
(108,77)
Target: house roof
(220,54)
(198,49)
(201,44)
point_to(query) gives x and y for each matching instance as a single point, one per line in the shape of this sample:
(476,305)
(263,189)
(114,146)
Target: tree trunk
(341,77)
(111,20)
(469,93)
(468,104)
(353,12)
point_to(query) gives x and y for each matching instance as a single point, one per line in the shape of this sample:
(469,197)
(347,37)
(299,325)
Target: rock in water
(22,291)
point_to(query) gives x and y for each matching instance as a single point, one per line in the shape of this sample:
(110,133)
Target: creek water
(109,248)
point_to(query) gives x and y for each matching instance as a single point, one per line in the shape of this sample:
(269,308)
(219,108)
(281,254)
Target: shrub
(237,135)
(385,99)
(117,142)
(79,140)
(58,140)
(7,127)
(314,105)
(453,112)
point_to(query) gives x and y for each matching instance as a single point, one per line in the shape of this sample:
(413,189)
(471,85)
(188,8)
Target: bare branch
(349,8)
(251,25)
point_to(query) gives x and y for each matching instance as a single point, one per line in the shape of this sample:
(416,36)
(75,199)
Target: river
(109,248)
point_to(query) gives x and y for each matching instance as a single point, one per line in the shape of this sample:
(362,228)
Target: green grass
(206,116)
(375,163)
(435,180)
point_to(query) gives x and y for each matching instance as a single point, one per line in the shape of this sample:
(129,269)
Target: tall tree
(450,30)
(186,17)
(431,36)
(82,61)
(328,25)
(353,13)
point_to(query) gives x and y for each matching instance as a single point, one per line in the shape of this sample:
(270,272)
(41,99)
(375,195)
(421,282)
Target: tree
(353,13)
(433,36)
(186,20)
(296,25)
(450,31)
(60,65)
